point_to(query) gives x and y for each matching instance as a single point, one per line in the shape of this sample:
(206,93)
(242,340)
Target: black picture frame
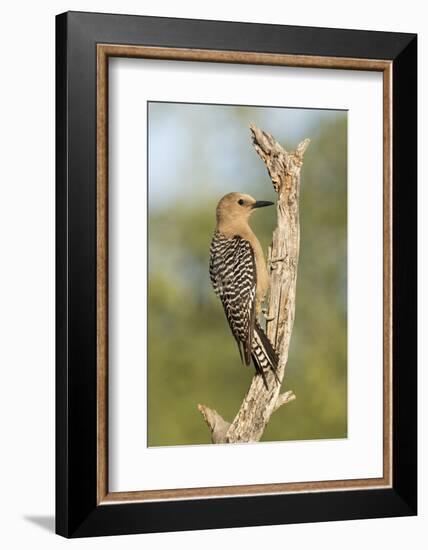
(77,511)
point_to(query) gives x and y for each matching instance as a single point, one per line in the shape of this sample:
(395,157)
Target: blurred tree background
(197,153)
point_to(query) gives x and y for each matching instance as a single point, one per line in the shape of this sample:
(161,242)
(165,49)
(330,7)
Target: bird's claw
(266,316)
(274,261)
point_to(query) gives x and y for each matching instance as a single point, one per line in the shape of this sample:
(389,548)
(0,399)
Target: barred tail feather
(264,355)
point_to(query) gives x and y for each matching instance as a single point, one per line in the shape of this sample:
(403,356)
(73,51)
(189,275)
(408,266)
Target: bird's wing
(234,279)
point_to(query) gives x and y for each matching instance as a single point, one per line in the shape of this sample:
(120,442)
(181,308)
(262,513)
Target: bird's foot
(265,314)
(274,261)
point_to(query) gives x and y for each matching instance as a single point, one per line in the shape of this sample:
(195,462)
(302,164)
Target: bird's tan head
(237,207)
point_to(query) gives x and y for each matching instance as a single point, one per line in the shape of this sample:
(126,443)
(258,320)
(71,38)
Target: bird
(240,279)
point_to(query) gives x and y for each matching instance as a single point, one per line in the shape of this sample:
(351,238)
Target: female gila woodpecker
(240,279)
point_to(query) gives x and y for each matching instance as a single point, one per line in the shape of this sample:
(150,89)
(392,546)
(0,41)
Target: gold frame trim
(104,51)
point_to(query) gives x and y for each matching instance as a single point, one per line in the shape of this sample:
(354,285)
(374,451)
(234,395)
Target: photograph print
(247,274)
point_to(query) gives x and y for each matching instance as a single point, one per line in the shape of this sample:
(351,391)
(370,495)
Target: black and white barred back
(234,278)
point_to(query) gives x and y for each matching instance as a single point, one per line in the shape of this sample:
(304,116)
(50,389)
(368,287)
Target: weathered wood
(259,404)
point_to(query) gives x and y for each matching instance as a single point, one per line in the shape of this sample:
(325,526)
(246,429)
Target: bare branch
(259,403)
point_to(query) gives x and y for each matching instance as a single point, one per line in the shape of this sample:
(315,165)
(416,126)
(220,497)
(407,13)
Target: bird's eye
(241,201)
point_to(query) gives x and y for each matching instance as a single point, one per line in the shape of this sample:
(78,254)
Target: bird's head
(238,207)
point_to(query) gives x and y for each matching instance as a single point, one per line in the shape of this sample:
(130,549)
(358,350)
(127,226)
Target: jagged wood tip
(265,143)
(301,148)
(215,422)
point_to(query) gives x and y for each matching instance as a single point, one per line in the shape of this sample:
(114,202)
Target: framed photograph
(236,274)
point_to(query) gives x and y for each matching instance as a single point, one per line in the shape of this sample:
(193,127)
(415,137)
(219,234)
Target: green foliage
(192,357)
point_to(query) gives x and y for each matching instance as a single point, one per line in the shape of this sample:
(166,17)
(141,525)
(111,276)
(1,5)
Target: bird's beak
(259,204)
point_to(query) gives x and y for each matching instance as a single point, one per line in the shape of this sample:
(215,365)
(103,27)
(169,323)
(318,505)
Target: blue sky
(199,151)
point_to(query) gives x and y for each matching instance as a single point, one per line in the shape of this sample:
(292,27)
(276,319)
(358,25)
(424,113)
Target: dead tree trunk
(259,403)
